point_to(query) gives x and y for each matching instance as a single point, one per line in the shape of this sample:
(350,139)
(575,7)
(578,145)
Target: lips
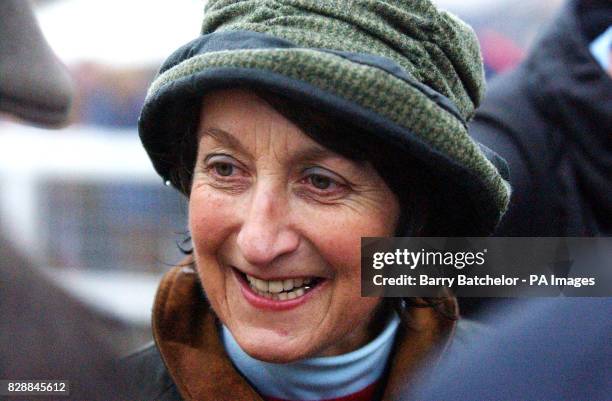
(277,293)
(282,290)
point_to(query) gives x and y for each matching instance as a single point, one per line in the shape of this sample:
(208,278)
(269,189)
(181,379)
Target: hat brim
(423,125)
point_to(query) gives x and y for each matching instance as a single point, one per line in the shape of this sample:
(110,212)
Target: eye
(223,169)
(320,181)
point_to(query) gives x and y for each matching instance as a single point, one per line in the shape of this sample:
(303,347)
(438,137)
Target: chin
(269,346)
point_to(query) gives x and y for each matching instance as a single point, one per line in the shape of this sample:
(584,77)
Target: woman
(295,128)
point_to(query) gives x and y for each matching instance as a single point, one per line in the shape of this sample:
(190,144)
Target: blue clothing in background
(553,349)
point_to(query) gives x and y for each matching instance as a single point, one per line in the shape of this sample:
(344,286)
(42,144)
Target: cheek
(209,219)
(210,222)
(337,237)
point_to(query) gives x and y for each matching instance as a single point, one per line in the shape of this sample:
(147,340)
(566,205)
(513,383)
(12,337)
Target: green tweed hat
(405,71)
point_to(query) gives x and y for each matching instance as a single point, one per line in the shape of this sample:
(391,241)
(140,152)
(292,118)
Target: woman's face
(276,221)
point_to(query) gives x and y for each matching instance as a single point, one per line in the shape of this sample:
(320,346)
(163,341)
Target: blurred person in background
(34,84)
(294,129)
(551,119)
(45,334)
(545,349)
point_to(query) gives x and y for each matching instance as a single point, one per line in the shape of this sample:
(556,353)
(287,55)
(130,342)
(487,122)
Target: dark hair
(409,183)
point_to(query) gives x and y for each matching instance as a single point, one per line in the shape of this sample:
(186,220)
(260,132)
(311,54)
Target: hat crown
(431,45)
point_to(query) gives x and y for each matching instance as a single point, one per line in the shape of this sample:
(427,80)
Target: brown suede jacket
(188,361)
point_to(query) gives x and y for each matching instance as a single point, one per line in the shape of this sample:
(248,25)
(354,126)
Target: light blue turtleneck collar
(316,378)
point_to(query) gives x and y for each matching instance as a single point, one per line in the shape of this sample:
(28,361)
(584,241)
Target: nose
(266,233)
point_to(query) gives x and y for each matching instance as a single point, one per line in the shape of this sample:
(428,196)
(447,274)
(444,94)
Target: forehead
(239,118)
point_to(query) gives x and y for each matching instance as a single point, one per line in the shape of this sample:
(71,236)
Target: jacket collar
(186,332)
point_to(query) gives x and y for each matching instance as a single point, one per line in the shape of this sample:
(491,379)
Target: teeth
(280,290)
(275,286)
(261,285)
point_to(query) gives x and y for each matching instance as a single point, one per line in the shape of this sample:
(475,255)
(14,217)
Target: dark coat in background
(544,349)
(46,334)
(551,119)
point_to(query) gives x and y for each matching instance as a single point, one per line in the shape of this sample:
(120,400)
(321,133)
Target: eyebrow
(310,154)
(225,138)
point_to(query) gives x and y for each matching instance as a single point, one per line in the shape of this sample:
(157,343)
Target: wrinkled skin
(269,201)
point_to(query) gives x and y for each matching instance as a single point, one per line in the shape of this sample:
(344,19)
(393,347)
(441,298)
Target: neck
(321,378)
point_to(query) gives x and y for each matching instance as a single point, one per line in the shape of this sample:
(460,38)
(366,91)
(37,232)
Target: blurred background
(84,202)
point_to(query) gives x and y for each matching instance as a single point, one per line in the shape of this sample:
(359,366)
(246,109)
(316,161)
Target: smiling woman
(270,210)
(295,128)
